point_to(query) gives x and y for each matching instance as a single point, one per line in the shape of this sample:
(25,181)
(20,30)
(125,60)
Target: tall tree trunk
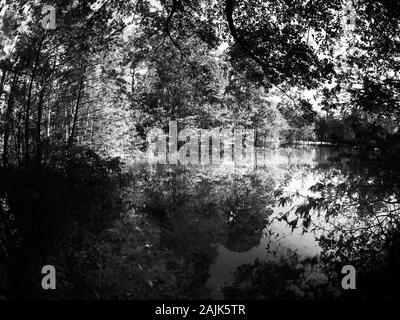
(78,100)
(38,127)
(48,111)
(2,81)
(7,124)
(28,103)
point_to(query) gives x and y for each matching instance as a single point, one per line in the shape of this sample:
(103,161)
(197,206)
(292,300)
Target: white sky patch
(223,46)
(97,5)
(155,5)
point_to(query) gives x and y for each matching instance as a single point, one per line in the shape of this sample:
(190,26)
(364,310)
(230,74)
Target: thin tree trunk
(48,122)
(3,79)
(28,103)
(38,128)
(78,100)
(8,121)
(66,123)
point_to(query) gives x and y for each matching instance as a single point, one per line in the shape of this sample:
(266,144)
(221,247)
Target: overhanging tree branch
(229,8)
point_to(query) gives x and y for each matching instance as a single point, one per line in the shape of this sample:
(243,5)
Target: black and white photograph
(200,150)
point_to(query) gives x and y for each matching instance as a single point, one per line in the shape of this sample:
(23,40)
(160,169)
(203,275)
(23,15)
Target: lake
(304,164)
(280,228)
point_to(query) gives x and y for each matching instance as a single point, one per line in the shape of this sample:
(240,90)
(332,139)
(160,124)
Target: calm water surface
(300,164)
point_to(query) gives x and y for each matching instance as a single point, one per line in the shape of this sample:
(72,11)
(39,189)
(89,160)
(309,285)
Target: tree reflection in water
(353,211)
(282,230)
(360,207)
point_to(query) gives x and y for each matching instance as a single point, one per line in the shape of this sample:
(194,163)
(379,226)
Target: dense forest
(83,82)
